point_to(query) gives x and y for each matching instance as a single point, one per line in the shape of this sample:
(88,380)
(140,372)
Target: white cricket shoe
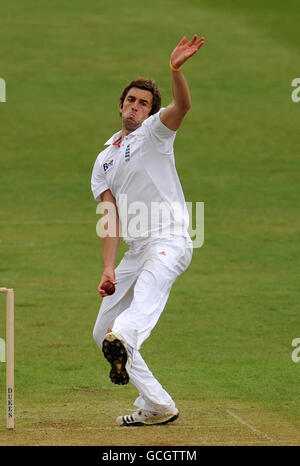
(141,417)
(115,351)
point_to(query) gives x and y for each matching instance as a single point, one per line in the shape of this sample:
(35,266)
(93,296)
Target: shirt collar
(117,135)
(114,138)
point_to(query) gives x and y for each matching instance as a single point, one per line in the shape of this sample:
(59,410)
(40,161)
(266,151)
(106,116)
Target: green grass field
(227,329)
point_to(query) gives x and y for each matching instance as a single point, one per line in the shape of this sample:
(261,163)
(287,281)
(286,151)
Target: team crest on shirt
(108,164)
(127,153)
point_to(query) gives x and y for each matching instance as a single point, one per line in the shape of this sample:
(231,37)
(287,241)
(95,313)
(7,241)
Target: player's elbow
(188,107)
(184,107)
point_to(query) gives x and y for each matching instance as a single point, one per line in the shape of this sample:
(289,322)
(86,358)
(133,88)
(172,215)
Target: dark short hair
(147,85)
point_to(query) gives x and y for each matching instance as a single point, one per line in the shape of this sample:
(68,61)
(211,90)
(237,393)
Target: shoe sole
(140,424)
(116,354)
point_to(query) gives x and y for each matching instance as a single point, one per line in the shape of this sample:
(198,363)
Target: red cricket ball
(108,287)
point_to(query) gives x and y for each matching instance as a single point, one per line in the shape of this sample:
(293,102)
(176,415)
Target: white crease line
(119,428)
(250,426)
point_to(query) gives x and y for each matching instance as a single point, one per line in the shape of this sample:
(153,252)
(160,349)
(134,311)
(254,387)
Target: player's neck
(125,133)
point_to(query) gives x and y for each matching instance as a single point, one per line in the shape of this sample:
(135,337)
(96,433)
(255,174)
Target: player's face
(136,108)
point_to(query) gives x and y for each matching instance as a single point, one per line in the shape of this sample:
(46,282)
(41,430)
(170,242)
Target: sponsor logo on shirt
(108,164)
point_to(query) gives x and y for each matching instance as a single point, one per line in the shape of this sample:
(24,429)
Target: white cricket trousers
(145,276)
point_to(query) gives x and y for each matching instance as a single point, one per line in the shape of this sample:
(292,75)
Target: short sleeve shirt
(142,177)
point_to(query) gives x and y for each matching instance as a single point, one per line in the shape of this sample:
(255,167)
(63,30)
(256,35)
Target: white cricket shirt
(142,177)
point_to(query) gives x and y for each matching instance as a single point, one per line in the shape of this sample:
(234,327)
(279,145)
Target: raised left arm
(174,113)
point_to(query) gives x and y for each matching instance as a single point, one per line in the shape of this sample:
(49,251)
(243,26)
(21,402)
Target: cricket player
(136,173)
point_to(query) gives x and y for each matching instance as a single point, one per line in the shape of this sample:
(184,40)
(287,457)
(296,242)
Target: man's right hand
(109,247)
(107,275)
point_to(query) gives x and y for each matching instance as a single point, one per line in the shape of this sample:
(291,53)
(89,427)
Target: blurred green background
(227,329)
